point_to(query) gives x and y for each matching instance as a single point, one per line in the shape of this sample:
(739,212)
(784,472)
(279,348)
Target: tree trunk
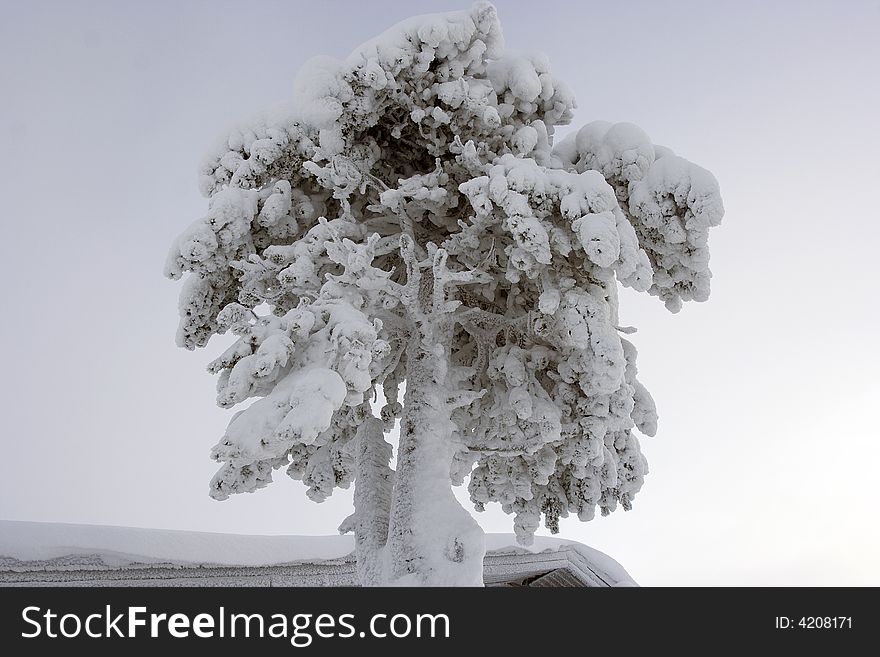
(372,501)
(432,540)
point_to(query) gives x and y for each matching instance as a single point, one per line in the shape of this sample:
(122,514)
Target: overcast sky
(764,467)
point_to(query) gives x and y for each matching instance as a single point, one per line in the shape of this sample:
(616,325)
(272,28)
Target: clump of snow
(669,203)
(43,541)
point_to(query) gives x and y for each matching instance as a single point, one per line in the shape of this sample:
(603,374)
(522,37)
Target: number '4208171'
(815,622)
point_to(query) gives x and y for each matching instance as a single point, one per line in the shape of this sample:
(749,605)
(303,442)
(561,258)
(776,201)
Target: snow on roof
(119,547)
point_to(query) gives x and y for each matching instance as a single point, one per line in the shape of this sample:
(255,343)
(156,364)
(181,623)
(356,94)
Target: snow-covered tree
(407,222)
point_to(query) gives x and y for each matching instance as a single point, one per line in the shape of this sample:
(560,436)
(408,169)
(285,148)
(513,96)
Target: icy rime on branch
(408,219)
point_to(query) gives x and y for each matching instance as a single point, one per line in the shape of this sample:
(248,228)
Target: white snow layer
(121,546)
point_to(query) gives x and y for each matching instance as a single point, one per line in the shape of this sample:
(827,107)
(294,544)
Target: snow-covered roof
(53,553)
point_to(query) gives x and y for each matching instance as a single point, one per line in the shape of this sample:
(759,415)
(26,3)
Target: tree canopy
(408,220)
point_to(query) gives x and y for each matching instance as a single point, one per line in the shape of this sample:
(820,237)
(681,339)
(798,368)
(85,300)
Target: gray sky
(763,469)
